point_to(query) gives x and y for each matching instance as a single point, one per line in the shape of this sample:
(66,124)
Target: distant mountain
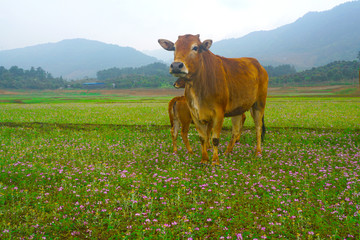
(163,55)
(313,40)
(74,58)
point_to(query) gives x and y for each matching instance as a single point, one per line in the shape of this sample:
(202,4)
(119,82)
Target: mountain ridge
(74,58)
(313,40)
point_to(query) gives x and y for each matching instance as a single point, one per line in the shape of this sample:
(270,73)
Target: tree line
(18,78)
(156,75)
(338,72)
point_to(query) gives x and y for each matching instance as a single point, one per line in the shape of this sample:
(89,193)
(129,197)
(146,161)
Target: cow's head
(180,83)
(187,50)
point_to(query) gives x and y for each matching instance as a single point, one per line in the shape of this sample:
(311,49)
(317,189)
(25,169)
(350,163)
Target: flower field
(107,171)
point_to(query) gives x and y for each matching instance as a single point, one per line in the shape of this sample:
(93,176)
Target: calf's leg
(184,135)
(174,133)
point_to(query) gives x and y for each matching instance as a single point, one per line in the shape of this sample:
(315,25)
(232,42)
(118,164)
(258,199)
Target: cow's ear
(205,45)
(166,44)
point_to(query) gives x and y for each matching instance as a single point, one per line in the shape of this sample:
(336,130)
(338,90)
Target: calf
(180,116)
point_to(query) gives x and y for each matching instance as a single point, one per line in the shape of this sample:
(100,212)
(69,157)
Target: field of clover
(107,171)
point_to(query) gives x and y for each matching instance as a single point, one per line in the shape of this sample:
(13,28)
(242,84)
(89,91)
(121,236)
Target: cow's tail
(171,110)
(263,130)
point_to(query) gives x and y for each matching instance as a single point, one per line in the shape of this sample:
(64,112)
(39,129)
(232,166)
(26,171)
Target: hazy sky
(139,23)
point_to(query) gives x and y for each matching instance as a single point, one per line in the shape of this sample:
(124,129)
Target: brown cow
(218,87)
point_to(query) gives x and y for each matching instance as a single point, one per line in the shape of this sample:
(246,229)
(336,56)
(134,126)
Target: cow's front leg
(204,154)
(204,139)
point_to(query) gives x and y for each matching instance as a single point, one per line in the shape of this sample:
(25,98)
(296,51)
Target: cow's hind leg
(174,133)
(184,134)
(208,144)
(257,114)
(243,118)
(263,129)
(236,131)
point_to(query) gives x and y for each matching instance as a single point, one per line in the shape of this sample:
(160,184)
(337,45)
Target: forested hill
(157,68)
(154,75)
(157,75)
(338,72)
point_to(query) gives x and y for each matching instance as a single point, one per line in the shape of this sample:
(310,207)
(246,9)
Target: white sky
(139,23)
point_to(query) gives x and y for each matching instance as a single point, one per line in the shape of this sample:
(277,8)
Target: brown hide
(179,115)
(180,118)
(217,87)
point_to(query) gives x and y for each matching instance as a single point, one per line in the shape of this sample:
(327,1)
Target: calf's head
(180,83)
(187,54)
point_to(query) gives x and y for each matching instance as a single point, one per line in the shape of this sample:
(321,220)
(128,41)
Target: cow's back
(246,82)
(179,110)
(182,111)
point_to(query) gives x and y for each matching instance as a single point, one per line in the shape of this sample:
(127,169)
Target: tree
(17,78)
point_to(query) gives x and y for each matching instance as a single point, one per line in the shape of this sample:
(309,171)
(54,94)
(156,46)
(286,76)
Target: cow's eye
(195,48)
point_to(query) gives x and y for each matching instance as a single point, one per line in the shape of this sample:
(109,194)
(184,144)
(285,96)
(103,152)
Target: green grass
(79,96)
(290,112)
(106,171)
(103,96)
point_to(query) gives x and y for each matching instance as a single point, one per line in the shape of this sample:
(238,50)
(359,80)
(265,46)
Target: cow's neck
(205,82)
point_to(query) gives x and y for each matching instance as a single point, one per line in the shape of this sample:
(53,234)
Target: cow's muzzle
(178,69)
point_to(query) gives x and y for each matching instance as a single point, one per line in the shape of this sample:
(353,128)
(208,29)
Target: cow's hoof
(258,154)
(215,164)
(204,162)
